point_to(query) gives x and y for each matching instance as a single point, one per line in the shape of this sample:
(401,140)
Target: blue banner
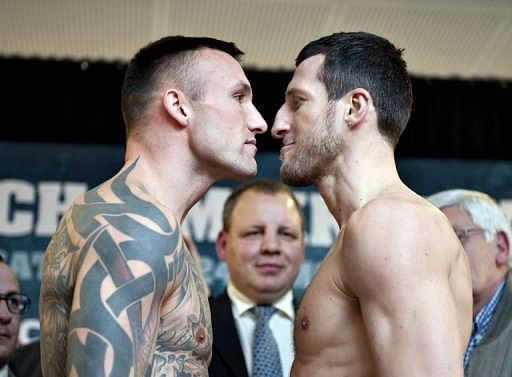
(38,182)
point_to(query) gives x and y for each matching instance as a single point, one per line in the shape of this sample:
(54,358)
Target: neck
(358,176)
(167,176)
(480,300)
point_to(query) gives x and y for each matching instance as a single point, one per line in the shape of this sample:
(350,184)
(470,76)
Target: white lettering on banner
(203,222)
(301,196)
(29,331)
(57,197)
(19,222)
(36,259)
(20,264)
(26,265)
(324,227)
(54,199)
(205,219)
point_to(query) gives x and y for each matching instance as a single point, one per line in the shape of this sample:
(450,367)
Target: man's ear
(220,245)
(177,106)
(503,248)
(358,104)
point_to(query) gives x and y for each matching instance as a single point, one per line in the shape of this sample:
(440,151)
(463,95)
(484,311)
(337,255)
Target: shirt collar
(243,304)
(484,316)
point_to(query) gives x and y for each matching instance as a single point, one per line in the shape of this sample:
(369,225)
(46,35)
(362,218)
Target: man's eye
(239,97)
(297,101)
(14,301)
(289,235)
(252,233)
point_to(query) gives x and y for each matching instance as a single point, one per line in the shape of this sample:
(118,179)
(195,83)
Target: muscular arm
(55,300)
(398,266)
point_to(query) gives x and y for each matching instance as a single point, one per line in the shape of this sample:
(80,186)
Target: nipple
(200,335)
(304,323)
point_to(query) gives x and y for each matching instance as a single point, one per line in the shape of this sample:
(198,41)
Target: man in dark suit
(262,243)
(26,361)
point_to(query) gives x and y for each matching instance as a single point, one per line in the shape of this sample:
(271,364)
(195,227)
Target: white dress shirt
(281,325)
(3,371)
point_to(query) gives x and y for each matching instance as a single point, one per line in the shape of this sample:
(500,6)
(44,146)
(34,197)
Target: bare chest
(184,340)
(329,327)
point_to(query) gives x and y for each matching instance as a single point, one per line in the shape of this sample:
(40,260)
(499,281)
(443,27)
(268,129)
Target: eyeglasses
(16,303)
(464,234)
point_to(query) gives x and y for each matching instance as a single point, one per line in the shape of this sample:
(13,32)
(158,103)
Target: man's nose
(281,124)
(270,244)
(256,123)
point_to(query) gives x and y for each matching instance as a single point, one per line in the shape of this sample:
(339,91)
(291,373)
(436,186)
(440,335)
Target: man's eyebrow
(292,91)
(13,292)
(243,87)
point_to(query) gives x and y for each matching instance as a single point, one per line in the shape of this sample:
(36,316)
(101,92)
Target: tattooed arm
(55,301)
(126,268)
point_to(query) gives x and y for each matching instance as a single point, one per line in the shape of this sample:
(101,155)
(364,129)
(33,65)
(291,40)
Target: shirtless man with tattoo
(393,294)
(121,294)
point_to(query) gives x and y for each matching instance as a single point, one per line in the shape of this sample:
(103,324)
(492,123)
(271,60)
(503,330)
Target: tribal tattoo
(121,295)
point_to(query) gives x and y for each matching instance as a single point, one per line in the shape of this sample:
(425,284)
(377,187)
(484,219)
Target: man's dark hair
(262,185)
(363,60)
(167,59)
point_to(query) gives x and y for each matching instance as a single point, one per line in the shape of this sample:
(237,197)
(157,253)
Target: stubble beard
(313,155)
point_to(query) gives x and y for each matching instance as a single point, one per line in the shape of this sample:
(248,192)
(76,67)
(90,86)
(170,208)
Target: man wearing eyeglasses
(12,304)
(485,233)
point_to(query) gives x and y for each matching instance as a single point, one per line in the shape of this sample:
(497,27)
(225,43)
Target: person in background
(12,304)
(485,233)
(386,300)
(26,361)
(262,243)
(121,294)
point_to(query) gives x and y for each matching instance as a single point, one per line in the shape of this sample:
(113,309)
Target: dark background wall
(79,102)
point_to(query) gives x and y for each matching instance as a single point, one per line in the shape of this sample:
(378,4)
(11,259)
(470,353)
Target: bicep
(411,324)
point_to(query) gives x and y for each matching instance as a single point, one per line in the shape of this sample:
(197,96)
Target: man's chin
(243,172)
(5,353)
(295,178)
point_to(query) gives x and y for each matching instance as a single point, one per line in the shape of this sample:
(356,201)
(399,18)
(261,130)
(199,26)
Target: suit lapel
(226,342)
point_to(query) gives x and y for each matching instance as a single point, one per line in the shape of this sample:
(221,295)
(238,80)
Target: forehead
(457,215)
(8,281)
(256,202)
(307,76)
(220,67)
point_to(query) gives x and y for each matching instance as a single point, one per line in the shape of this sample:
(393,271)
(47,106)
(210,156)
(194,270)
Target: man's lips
(269,267)
(251,143)
(5,335)
(287,146)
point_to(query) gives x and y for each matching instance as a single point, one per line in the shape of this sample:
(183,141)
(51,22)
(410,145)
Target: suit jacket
(493,356)
(26,361)
(227,355)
